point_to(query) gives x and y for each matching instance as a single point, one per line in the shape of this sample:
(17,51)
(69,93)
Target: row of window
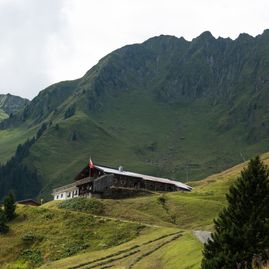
(69,194)
(72,193)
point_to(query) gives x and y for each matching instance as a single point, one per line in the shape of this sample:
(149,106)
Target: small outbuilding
(30,202)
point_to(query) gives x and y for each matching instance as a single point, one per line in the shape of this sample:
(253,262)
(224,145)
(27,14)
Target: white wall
(66,194)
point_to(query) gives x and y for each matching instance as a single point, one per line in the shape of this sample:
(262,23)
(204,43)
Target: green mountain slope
(164,107)
(3,115)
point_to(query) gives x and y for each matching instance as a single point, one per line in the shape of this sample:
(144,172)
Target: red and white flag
(91,165)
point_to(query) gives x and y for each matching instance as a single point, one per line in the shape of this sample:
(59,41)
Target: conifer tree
(3,220)
(9,207)
(242,228)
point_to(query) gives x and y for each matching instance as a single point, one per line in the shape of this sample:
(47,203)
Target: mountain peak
(11,104)
(205,36)
(266,32)
(245,36)
(165,43)
(165,39)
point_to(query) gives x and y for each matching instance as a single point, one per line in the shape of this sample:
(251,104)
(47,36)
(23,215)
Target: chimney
(120,168)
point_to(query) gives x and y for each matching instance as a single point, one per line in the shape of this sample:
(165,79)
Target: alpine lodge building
(105,182)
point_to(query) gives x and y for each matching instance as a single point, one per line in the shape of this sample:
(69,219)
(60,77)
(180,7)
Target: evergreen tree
(16,176)
(3,220)
(242,228)
(9,207)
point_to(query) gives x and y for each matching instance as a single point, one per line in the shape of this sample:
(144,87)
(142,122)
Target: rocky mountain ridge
(11,104)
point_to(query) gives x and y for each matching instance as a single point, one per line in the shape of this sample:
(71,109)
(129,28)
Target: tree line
(16,176)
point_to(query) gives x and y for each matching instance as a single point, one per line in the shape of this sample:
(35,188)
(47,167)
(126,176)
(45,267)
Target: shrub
(75,248)
(162,200)
(32,256)
(28,238)
(92,205)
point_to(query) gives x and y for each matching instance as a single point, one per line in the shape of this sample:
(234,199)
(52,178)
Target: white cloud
(48,41)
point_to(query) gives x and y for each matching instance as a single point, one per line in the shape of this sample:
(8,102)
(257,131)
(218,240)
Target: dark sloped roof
(145,177)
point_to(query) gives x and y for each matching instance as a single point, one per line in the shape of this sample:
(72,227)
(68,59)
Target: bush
(91,205)
(32,256)
(162,200)
(28,238)
(75,248)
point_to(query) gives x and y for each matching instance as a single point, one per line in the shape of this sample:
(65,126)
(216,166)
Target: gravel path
(202,236)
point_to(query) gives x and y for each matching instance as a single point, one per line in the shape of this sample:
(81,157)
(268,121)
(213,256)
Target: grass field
(41,235)
(160,248)
(142,232)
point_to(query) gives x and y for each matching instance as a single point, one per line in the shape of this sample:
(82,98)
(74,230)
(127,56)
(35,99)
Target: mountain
(166,107)
(10,104)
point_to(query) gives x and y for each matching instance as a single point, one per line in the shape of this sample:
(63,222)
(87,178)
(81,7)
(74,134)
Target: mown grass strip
(104,258)
(111,260)
(105,261)
(159,238)
(107,266)
(139,258)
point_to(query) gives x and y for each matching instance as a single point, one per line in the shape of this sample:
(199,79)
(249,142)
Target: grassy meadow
(40,235)
(153,231)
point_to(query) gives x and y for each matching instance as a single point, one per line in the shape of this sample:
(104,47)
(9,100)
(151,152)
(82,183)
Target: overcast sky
(46,41)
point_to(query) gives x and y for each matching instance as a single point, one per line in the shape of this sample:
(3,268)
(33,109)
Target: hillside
(40,235)
(166,107)
(148,232)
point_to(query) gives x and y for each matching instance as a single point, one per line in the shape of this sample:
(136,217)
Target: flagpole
(90,170)
(91,166)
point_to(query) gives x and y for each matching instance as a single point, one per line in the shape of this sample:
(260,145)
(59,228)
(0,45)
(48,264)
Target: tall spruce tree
(9,207)
(3,220)
(242,228)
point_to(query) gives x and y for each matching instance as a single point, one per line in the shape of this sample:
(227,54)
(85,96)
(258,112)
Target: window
(57,197)
(62,195)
